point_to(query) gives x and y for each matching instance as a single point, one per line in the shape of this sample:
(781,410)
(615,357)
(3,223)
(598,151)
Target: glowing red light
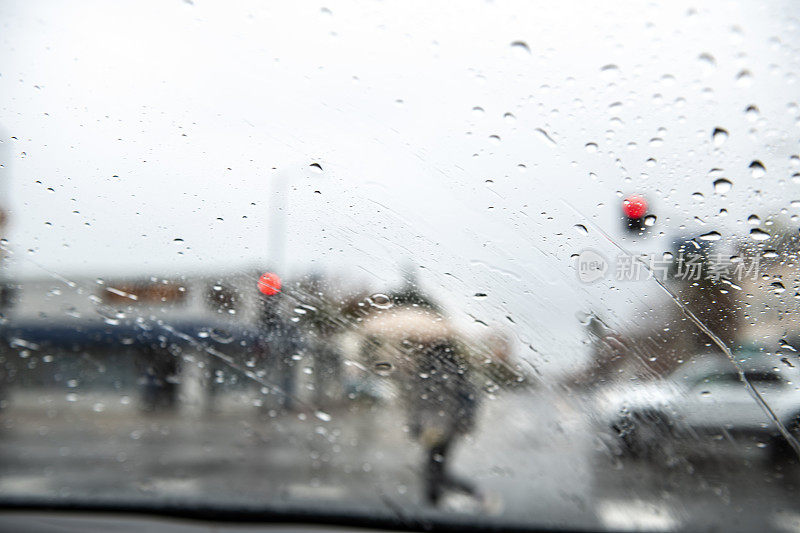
(269,284)
(634,206)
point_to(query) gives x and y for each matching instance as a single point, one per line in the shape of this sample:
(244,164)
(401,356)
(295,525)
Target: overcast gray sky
(127,125)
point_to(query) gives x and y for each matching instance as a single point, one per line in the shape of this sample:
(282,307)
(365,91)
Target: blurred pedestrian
(441,408)
(434,376)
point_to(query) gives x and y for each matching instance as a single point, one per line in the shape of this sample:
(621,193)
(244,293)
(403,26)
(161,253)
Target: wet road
(536,455)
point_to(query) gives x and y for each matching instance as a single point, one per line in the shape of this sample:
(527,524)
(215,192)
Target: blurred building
(148,333)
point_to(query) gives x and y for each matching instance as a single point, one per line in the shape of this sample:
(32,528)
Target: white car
(706,398)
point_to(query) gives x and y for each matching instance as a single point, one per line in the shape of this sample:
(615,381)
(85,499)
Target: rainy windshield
(508,264)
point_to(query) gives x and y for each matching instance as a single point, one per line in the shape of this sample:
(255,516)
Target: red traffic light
(634,206)
(269,284)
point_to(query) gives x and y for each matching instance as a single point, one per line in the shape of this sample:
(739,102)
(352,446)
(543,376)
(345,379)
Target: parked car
(706,398)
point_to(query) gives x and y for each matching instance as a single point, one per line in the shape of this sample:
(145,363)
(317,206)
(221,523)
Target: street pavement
(536,455)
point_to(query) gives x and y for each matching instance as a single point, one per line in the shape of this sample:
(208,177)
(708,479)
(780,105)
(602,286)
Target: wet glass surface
(520,264)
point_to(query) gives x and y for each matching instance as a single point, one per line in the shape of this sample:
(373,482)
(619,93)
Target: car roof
(718,363)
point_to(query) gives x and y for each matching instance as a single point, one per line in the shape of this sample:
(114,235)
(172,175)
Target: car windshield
(402,265)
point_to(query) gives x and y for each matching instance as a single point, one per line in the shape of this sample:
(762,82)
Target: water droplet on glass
(380,301)
(510,118)
(751,113)
(521,47)
(757,169)
(707,60)
(581,228)
(753,220)
(722,186)
(744,78)
(711,236)
(383,368)
(759,235)
(545,137)
(477,111)
(777,287)
(591,147)
(221,336)
(609,72)
(719,136)
(322,415)
(649,220)
(316,167)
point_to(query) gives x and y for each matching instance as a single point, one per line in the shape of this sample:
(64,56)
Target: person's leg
(456,483)
(435,472)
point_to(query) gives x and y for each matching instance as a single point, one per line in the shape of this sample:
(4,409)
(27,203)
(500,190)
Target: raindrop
(380,301)
(753,220)
(778,287)
(707,60)
(751,113)
(581,228)
(744,78)
(711,236)
(759,235)
(316,167)
(545,137)
(510,118)
(322,415)
(521,46)
(757,169)
(477,111)
(480,295)
(722,186)
(591,147)
(221,336)
(609,72)
(719,136)
(649,220)
(494,139)
(383,368)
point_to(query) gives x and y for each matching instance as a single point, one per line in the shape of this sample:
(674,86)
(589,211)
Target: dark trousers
(437,479)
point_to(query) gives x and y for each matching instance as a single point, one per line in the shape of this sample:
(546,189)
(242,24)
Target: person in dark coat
(442,408)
